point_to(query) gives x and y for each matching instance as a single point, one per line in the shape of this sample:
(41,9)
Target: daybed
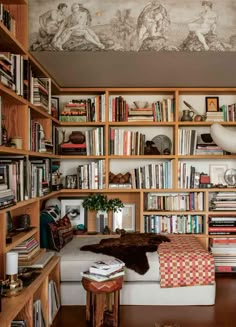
(139,289)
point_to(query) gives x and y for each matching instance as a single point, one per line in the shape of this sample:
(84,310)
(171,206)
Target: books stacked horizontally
(223,201)
(224,251)
(27,250)
(101,271)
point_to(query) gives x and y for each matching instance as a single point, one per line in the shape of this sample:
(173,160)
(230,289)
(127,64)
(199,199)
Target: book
(107,267)
(100,278)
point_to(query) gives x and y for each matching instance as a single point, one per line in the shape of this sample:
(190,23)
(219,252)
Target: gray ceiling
(140,69)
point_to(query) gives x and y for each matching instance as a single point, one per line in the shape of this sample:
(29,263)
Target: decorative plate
(163,144)
(230,177)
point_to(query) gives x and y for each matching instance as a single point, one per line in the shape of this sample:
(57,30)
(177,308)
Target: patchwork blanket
(184,262)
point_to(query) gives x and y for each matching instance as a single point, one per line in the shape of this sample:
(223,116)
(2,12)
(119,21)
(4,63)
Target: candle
(11,263)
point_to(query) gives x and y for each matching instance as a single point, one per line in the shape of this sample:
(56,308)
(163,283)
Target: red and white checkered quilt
(184,262)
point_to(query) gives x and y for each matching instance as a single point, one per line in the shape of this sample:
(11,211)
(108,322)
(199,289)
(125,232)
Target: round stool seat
(107,286)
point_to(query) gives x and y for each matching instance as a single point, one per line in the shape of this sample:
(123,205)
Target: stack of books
(101,271)
(27,250)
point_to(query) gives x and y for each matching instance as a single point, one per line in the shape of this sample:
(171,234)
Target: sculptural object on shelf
(150,149)
(224,137)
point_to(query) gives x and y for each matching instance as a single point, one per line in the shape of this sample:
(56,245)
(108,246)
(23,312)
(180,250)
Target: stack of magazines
(101,271)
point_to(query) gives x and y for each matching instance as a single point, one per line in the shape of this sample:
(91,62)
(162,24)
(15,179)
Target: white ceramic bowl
(141,104)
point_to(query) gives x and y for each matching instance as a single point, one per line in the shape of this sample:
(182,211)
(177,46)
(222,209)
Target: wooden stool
(102,302)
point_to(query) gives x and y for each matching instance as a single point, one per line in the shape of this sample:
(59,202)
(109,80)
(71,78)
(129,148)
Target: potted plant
(101,204)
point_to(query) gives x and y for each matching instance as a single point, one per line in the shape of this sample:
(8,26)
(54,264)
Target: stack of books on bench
(101,271)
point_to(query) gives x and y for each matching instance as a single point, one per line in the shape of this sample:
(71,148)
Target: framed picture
(72,207)
(125,218)
(212,104)
(217,172)
(55,107)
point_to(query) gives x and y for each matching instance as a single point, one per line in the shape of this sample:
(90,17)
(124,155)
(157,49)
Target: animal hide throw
(131,248)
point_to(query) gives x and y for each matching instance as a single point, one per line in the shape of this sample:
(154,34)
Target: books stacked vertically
(91,175)
(41,93)
(101,271)
(223,201)
(53,300)
(7,19)
(177,224)
(39,320)
(6,76)
(187,141)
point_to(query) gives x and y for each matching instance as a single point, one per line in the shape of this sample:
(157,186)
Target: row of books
(188,176)
(124,142)
(12,71)
(161,111)
(91,175)
(174,224)
(84,110)
(152,176)
(40,93)
(174,201)
(37,141)
(188,144)
(101,271)
(24,178)
(7,19)
(53,300)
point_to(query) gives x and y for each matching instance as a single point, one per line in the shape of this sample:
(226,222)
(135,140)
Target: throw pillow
(61,232)
(48,215)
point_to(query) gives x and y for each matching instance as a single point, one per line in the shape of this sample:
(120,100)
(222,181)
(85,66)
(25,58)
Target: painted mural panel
(132,25)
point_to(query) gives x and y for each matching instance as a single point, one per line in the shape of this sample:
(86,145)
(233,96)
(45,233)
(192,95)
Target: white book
(106,267)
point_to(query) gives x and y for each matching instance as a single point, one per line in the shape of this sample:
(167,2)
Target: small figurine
(150,149)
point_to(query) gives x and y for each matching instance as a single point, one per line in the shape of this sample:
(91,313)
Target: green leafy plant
(96,202)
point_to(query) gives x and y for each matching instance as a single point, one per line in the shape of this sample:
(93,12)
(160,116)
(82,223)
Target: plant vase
(101,220)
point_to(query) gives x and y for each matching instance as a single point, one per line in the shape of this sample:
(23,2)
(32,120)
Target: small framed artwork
(55,107)
(72,207)
(125,218)
(212,104)
(217,173)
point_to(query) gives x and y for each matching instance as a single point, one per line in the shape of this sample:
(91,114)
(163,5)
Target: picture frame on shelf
(212,104)
(125,218)
(72,207)
(55,107)
(217,173)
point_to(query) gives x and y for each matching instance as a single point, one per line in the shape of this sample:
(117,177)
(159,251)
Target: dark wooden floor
(222,314)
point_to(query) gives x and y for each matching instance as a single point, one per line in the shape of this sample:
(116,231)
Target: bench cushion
(74,261)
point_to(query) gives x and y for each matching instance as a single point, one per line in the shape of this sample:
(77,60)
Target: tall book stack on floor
(101,271)
(223,247)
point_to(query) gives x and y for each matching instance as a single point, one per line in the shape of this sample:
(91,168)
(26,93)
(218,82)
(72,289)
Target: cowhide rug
(131,248)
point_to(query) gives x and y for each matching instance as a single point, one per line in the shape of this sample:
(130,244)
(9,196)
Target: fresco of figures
(132,25)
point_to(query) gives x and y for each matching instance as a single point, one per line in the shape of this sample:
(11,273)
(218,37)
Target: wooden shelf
(9,42)
(15,2)
(14,305)
(10,96)
(20,237)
